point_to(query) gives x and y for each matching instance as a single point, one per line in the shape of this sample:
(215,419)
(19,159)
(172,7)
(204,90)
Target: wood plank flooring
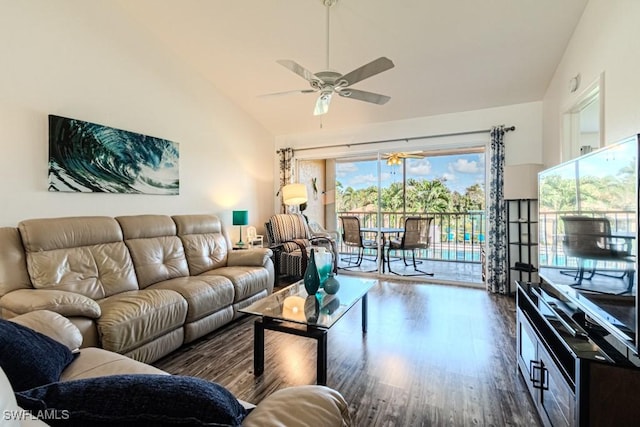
(433,355)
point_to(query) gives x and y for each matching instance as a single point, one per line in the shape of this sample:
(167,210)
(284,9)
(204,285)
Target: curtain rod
(353,144)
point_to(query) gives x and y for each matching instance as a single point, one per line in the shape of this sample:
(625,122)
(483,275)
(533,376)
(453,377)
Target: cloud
(344,169)
(364,179)
(464,166)
(419,167)
(449,176)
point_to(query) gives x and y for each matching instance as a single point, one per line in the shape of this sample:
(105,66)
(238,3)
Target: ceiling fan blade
(287,92)
(371,69)
(298,69)
(322,104)
(361,95)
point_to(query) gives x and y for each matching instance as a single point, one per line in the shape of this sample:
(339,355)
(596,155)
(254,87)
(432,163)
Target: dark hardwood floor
(433,355)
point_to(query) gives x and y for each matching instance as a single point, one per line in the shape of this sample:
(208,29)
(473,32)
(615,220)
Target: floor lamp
(240,218)
(294,195)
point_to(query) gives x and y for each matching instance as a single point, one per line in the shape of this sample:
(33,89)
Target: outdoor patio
(454,255)
(451,272)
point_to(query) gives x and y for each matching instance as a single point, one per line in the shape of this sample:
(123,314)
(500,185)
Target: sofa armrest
(252,257)
(62,302)
(301,406)
(95,362)
(52,325)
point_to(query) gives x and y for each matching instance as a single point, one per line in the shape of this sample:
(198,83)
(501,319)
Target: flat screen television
(588,233)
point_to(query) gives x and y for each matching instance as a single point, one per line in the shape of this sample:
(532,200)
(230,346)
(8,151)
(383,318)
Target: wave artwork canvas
(91,158)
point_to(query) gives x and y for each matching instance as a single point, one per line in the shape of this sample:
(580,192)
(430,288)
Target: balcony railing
(454,236)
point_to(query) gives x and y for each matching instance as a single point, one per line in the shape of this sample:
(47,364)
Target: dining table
(382,232)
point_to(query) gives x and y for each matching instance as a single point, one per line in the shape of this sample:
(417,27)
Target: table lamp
(240,218)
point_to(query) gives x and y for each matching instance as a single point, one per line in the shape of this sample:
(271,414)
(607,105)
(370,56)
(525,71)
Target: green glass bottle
(311,276)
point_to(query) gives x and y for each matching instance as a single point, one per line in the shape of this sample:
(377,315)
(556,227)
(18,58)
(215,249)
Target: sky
(460,171)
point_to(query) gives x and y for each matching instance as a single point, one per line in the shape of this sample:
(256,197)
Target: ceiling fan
(395,159)
(330,82)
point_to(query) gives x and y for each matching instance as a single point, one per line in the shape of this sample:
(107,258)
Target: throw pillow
(29,358)
(135,400)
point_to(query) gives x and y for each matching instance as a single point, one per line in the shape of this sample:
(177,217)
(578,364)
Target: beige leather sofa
(141,286)
(291,407)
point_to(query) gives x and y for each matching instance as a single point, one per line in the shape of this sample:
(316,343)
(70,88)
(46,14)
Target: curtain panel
(497,227)
(285,157)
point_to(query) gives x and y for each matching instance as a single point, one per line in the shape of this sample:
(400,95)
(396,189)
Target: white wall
(606,40)
(522,146)
(84,60)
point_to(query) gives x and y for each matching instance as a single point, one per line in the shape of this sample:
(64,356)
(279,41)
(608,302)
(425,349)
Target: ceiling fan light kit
(395,159)
(329,82)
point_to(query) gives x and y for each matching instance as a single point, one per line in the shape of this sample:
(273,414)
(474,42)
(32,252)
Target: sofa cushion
(8,403)
(137,400)
(205,241)
(308,405)
(134,318)
(156,251)
(13,264)
(29,358)
(158,259)
(96,362)
(247,281)
(85,255)
(204,294)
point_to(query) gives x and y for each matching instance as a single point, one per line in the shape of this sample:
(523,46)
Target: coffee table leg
(322,358)
(258,348)
(364,313)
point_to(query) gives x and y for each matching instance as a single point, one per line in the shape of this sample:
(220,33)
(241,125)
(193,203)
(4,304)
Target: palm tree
(428,196)
(369,196)
(558,193)
(392,197)
(348,199)
(474,196)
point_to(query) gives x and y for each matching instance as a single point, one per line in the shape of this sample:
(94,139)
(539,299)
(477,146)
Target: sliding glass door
(384,189)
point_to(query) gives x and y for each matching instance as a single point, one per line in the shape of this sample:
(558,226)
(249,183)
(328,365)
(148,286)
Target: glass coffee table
(293,311)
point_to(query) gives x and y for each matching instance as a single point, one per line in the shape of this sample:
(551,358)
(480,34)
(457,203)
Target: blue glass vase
(311,276)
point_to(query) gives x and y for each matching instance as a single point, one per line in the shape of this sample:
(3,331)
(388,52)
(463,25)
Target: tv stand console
(574,374)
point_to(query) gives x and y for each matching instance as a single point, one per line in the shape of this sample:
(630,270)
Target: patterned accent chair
(291,240)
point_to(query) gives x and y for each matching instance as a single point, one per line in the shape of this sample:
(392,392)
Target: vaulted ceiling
(449,55)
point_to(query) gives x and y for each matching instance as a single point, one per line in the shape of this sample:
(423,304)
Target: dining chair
(590,239)
(352,238)
(415,237)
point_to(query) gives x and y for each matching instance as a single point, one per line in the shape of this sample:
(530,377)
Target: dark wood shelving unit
(522,237)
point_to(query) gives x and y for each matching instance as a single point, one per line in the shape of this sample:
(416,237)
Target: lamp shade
(240,217)
(294,194)
(521,181)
